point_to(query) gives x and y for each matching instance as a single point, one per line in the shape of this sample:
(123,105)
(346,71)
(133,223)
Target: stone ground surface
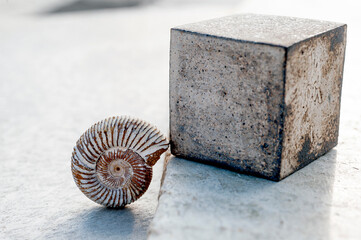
(65,65)
(321,201)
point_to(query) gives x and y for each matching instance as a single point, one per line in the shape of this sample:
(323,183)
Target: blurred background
(67,64)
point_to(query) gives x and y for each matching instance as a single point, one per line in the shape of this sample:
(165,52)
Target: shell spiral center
(115,167)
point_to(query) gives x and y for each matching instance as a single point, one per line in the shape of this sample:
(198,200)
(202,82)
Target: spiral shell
(112,161)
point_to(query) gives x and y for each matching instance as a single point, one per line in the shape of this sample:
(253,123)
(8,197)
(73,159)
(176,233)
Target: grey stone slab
(256,94)
(198,201)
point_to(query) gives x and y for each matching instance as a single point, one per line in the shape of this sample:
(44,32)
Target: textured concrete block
(256,94)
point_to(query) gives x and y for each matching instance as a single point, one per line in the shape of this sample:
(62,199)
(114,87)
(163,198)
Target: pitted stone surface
(239,102)
(314,75)
(221,102)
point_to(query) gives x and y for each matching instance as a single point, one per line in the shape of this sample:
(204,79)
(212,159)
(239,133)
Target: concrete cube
(256,94)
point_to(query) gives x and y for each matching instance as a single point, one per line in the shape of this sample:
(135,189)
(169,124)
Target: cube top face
(255,107)
(267,29)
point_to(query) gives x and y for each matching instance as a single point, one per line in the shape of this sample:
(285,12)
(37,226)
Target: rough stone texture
(312,98)
(198,201)
(256,94)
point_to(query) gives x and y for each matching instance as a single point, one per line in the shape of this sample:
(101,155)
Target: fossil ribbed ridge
(112,161)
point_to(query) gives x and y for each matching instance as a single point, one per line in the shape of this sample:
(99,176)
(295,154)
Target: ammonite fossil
(112,161)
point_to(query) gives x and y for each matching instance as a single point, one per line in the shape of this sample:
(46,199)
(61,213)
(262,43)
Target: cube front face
(312,97)
(226,102)
(254,93)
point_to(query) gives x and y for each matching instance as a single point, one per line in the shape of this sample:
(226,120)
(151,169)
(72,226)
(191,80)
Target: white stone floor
(61,71)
